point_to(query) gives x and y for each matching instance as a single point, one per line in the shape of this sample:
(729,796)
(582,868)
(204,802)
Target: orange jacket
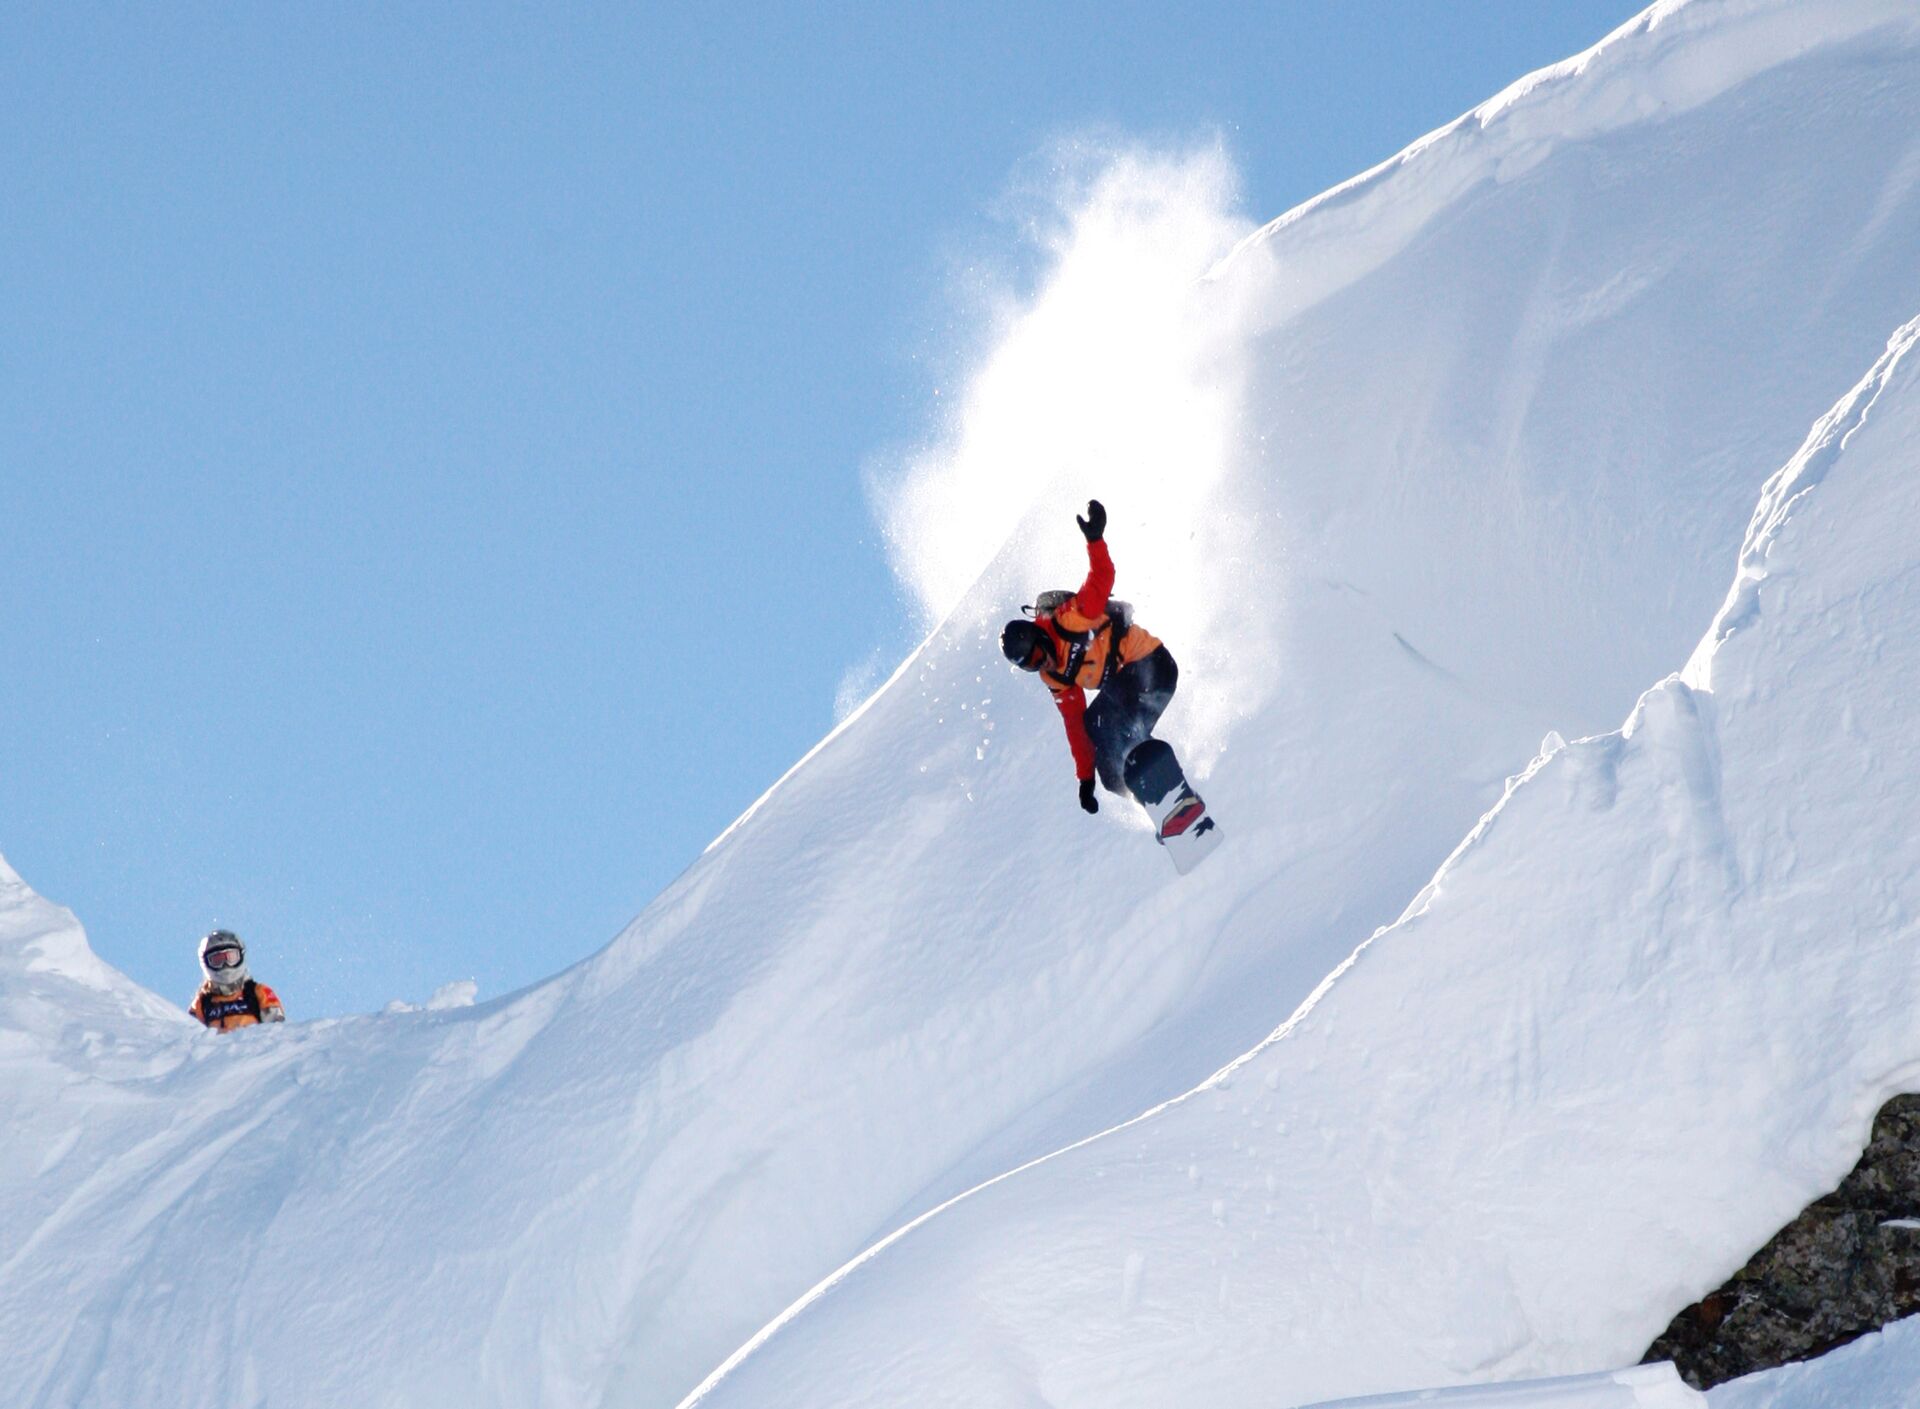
(1085,616)
(225,1011)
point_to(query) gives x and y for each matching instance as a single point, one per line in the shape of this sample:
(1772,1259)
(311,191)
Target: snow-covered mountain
(1457,455)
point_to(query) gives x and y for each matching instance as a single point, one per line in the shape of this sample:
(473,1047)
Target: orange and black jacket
(249,1004)
(1085,654)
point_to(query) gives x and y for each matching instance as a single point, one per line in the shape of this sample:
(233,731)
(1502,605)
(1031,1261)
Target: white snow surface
(1642,1387)
(1468,449)
(1880,1371)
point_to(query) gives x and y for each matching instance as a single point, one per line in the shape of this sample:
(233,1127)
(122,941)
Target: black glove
(1094,525)
(1088,802)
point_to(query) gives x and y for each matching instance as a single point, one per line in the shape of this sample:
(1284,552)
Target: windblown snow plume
(1119,376)
(1122,377)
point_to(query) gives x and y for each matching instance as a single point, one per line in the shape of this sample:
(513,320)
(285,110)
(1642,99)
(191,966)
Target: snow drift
(1480,432)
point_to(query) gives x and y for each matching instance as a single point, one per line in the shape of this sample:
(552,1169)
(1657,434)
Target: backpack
(1047,603)
(1119,621)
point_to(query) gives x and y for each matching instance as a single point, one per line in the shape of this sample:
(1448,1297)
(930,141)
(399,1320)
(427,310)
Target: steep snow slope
(1457,452)
(1642,1016)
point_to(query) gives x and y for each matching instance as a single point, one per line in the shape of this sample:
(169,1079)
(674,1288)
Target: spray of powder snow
(1120,377)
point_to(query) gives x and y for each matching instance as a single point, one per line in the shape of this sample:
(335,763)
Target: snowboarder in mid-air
(230,998)
(1086,640)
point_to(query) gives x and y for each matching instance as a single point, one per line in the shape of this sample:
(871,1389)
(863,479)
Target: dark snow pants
(1121,720)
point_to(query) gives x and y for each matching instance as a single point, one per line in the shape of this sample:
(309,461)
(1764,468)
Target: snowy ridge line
(45,941)
(1784,489)
(911,659)
(827,1284)
(1634,799)
(1674,56)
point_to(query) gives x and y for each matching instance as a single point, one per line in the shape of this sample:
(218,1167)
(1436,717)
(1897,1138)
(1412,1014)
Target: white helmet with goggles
(223,958)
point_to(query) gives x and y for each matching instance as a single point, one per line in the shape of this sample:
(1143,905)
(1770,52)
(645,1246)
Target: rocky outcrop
(1845,1267)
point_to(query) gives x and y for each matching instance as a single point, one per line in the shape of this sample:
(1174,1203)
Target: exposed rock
(1846,1266)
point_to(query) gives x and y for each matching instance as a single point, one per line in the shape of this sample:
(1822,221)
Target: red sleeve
(1091,599)
(1073,709)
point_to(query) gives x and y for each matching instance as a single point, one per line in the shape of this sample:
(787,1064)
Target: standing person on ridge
(1086,640)
(230,998)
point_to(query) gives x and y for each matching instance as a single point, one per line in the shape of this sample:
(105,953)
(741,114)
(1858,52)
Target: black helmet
(1025,644)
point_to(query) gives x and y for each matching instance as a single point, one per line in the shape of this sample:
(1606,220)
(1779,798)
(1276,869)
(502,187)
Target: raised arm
(1090,601)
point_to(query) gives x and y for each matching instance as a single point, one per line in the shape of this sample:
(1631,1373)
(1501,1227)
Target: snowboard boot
(1154,778)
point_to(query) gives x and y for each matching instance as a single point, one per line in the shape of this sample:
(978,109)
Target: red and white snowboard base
(1185,827)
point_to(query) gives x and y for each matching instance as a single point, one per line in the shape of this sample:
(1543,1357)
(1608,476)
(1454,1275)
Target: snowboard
(1181,821)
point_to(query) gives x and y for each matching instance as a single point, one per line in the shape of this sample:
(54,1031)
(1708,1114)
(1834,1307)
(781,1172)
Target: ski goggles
(225,958)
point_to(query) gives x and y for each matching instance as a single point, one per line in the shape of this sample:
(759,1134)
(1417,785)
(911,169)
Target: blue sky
(432,438)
